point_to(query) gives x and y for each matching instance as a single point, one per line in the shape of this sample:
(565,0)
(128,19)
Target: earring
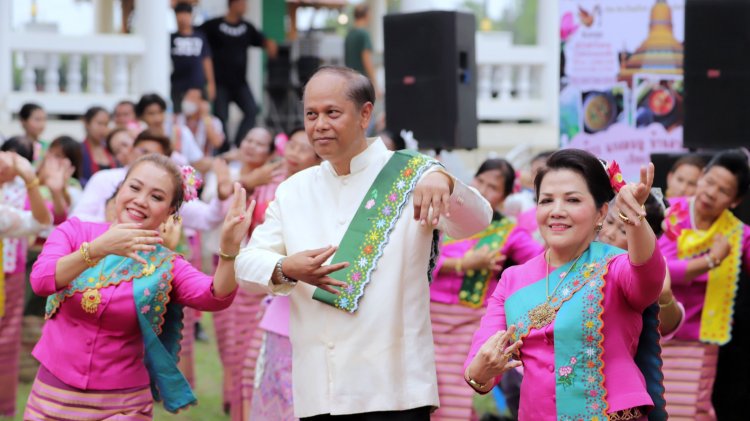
(599,227)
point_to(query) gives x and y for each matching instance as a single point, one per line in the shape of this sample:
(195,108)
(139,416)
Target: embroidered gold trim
(626,414)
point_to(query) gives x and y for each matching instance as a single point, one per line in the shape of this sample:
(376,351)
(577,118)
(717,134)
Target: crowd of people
(352,277)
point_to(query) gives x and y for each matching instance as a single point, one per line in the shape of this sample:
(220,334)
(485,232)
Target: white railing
(513,81)
(97,70)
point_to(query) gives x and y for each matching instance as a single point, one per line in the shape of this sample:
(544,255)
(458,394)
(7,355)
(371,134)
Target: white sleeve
(470,213)
(17,223)
(190,147)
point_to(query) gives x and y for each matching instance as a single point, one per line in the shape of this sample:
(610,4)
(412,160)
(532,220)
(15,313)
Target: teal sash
(368,233)
(579,366)
(160,321)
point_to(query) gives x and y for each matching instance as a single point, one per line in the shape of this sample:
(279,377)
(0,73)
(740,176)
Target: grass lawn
(208,377)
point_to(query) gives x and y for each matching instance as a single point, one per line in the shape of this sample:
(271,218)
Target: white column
(74,78)
(254,15)
(153,69)
(548,37)
(378,9)
(51,74)
(6,62)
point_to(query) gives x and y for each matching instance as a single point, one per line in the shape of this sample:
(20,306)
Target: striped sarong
(249,364)
(272,398)
(689,374)
(51,399)
(453,326)
(10,342)
(248,312)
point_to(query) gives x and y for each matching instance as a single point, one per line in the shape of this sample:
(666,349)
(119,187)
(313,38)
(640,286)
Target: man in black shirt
(191,58)
(229,37)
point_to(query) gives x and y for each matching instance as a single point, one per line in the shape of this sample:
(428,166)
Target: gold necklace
(545,313)
(91,296)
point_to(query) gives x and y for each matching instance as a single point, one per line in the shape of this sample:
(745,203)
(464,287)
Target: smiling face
(566,212)
(716,191)
(491,184)
(146,196)
(299,153)
(255,148)
(683,181)
(333,122)
(122,147)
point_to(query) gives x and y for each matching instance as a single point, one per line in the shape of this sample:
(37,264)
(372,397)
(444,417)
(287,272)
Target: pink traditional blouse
(692,293)
(104,351)
(519,248)
(628,290)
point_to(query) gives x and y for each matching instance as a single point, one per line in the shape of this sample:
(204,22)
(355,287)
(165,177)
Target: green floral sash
(368,233)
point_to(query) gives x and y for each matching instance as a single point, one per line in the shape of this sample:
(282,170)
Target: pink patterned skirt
(453,326)
(248,311)
(51,399)
(10,342)
(689,374)
(272,398)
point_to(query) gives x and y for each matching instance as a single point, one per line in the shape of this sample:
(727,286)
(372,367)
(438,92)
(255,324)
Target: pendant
(542,315)
(90,301)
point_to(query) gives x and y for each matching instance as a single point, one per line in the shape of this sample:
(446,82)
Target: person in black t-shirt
(229,37)
(191,58)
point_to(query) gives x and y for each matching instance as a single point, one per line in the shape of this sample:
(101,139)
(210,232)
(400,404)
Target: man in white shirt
(363,346)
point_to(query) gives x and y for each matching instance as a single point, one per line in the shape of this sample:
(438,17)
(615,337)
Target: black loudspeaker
(717,73)
(430,78)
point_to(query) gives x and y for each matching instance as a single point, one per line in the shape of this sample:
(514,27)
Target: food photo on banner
(621,78)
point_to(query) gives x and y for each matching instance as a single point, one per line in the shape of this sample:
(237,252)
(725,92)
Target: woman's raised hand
(125,240)
(236,222)
(495,357)
(632,196)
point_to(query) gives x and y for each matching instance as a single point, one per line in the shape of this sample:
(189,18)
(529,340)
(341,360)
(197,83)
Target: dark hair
(655,213)
(110,136)
(734,161)
(229,2)
(27,110)
(92,112)
(587,166)
(149,136)
(360,90)
(131,104)
(506,170)
(72,150)
(147,100)
(296,129)
(360,11)
(168,165)
(542,155)
(20,146)
(272,145)
(183,7)
(691,159)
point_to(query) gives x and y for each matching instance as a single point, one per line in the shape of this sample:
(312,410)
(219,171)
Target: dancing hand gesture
(632,196)
(237,221)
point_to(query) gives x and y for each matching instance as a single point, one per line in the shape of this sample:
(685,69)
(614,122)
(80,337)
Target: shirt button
(342,221)
(88,341)
(345,181)
(330,345)
(551,368)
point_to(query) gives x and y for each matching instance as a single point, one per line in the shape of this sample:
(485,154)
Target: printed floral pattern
(673,220)
(385,213)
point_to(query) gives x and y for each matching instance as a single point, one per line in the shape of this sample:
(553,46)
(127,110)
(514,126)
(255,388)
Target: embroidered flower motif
(368,249)
(145,309)
(350,289)
(589,338)
(400,184)
(566,291)
(590,310)
(387,210)
(676,214)
(356,276)
(343,302)
(393,197)
(590,297)
(595,406)
(362,262)
(573,360)
(146,292)
(591,379)
(370,203)
(576,282)
(590,352)
(408,172)
(593,393)
(590,364)
(374,236)
(157,308)
(380,224)
(589,324)
(565,371)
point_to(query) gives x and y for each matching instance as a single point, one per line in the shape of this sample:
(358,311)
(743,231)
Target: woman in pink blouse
(573,315)
(465,273)
(708,255)
(115,298)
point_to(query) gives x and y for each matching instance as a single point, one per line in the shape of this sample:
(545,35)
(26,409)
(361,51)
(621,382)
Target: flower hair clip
(615,175)
(191,182)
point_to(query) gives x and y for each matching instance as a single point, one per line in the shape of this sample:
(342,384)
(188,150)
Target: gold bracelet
(227,257)
(33,183)
(627,220)
(86,254)
(477,386)
(671,300)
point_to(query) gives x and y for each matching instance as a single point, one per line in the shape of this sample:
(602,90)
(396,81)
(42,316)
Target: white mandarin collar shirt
(380,358)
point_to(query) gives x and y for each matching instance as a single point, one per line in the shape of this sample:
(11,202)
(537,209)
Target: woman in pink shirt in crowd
(708,255)
(576,335)
(465,273)
(115,298)
(270,353)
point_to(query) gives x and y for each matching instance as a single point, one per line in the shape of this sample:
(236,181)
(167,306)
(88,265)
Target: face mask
(189,108)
